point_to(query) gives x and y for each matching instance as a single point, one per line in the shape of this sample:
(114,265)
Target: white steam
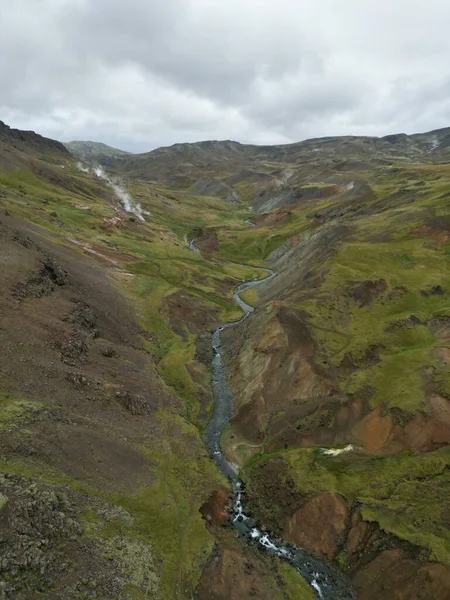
(125,199)
(80,167)
(434,143)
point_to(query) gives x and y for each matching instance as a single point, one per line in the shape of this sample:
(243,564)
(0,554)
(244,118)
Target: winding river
(327,582)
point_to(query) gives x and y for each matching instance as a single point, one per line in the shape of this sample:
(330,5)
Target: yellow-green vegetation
(296,587)
(14,412)
(406,494)
(162,521)
(416,266)
(253,245)
(158,528)
(168,514)
(3,501)
(250,296)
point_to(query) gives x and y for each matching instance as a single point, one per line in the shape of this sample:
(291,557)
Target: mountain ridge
(31,141)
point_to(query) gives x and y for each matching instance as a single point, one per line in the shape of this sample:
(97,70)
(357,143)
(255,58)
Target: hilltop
(30,142)
(94,152)
(243,171)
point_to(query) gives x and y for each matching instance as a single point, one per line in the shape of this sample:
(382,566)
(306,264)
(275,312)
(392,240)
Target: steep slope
(30,142)
(348,350)
(339,377)
(94,152)
(104,387)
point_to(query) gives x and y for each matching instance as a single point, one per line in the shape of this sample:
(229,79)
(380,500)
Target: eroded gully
(327,582)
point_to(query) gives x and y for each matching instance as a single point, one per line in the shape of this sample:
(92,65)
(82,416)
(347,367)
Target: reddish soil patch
(438,230)
(214,510)
(395,576)
(279,217)
(303,529)
(208,243)
(234,574)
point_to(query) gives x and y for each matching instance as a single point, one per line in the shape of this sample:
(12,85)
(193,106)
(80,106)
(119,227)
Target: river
(327,582)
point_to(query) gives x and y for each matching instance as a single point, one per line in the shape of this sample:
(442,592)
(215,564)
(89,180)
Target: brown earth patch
(440,326)
(373,432)
(235,574)
(395,576)
(436,229)
(76,350)
(272,369)
(215,509)
(189,311)
(397,293)
(208,243)
(444,353)
(439,408)
(319,525)
(273,219)
(378,433)
(368,291)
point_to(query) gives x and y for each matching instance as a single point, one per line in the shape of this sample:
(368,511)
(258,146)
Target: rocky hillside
(94,152)
(340,379)
(30,142)
(269,177)
(341,425)
(106,490)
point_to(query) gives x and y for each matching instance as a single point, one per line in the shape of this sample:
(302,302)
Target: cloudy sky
(138,74)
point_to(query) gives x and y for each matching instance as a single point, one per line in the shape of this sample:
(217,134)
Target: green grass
(406,494)
(341,326)
(164,516)
(296,587)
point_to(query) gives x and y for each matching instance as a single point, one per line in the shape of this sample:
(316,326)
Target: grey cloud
(144,73)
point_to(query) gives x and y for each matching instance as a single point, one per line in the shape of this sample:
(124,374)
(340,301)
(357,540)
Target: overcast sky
(138,74)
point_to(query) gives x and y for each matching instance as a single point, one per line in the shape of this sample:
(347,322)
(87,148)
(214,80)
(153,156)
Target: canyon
(123,293)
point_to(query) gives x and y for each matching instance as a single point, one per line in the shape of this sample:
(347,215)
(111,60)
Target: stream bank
(327,582)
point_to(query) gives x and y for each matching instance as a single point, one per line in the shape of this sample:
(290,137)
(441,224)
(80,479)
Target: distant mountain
(236,171)
(30,142)
(95,152)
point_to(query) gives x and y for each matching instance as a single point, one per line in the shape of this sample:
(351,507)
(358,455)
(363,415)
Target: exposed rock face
(215,508)
(214,187)
(392,575)
(272,369)
(271,199)
(319,525)
(44,282)
(236,575)
(30,141)
(43,546)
